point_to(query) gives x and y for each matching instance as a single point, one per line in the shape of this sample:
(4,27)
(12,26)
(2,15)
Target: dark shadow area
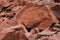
(58,1)
(28,29)
(4,8)
(56,8)
(51,28)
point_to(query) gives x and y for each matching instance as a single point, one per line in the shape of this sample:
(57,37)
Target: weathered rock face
(35,15)
(29,20)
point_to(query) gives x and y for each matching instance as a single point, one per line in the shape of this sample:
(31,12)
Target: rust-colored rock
(29,20)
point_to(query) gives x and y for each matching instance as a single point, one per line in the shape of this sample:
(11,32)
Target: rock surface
(29,19)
